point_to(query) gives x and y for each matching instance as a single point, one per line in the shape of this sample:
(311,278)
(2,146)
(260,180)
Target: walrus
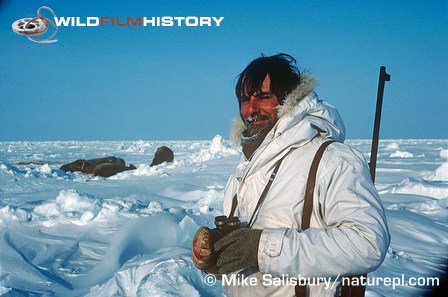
(109,169)
(111,165)
(105,167)
(163,154)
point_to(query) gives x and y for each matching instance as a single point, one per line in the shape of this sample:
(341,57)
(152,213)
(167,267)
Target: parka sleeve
(356,238)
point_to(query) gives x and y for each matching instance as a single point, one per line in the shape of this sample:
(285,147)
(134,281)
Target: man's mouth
(255,119)
(257,123)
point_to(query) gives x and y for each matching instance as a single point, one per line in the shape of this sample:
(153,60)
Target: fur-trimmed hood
(300,118)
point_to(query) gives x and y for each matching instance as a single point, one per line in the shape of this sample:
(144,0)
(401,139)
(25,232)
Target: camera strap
(263,194)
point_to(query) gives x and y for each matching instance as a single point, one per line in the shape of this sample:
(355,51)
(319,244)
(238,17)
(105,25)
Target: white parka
(348,232)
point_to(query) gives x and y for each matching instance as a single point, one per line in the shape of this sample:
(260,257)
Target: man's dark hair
(282,69)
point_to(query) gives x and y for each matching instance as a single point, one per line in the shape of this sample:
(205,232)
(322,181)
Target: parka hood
(300,118)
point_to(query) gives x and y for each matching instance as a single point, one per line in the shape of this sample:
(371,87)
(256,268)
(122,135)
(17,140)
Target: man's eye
(263,97)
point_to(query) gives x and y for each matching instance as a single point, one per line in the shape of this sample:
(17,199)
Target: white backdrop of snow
(70,234)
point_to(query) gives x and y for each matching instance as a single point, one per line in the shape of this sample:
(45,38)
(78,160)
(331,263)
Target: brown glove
(203,253)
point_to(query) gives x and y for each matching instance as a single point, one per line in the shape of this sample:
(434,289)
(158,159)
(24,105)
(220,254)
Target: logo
(140,21)
(36,26)
(39,25)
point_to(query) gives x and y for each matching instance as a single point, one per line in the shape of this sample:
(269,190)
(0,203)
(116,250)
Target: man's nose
(253,105)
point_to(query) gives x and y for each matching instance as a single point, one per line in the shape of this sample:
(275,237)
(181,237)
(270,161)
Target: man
(282,117)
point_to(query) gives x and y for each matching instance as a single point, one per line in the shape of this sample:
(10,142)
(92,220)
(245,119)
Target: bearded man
(282,125)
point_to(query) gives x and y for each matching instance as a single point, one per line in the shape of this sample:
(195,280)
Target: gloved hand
(239,250)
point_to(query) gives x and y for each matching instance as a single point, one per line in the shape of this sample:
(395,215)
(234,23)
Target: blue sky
(177,83)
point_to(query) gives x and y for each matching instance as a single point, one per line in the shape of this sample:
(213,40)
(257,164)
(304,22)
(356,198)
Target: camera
(203,250)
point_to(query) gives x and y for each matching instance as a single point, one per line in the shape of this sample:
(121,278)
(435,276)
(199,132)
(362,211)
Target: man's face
(258,110)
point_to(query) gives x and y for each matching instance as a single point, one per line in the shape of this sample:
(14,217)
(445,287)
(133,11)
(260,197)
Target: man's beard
(255,134)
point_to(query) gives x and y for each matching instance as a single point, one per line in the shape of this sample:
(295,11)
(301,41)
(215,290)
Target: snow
(444,153)
(401,154)
(70,234)
(441,173)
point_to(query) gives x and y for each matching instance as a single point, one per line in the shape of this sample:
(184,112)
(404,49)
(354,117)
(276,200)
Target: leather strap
(234,204)
(308,201)
(266,189)
(354,291)
(301,290)
(263,194)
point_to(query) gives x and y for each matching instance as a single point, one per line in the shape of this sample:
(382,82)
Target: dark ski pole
(376,128)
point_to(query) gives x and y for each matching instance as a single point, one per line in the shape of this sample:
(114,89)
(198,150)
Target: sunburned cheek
(267,109)
(244,111)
